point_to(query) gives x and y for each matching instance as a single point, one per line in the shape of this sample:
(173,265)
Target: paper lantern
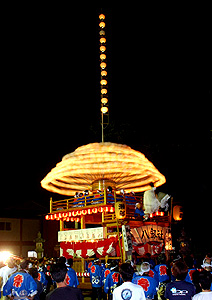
(177,213)
(120,209)
(102,17)
(104,100)
(126,168)
(103,82)
(104,109)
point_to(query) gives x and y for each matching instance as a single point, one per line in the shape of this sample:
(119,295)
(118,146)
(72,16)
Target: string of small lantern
(103,81)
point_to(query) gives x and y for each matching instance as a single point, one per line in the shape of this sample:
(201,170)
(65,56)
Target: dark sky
(159,82)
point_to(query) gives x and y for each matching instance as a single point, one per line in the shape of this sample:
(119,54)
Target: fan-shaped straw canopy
(88,166)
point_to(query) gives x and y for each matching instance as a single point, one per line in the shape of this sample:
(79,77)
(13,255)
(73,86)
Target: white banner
(81,234)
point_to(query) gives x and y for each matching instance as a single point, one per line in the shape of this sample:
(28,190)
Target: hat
(144,268)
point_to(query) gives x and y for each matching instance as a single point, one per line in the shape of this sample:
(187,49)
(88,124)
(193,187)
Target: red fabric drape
(86,249)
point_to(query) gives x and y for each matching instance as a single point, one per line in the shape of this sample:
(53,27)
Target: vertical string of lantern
(103,81)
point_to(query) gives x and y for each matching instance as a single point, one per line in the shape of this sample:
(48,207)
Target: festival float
(108,186)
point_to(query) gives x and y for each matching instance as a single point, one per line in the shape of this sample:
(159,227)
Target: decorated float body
(102,218)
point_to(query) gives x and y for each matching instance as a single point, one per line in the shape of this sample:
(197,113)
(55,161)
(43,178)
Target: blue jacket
(149,285)
(20,284)
(112,281)
(96,276)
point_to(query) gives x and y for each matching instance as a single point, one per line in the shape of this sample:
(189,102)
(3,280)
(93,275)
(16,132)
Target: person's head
(207,265)
(205,279)
(34,273)
(61,260)
(126,271)
(24,264)
(70,262)
(179,270)
(11,263)
(58,272)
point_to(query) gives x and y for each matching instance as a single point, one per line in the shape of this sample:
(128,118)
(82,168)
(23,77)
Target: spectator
(179,288)
(59,274)
(205,283)
(128,290)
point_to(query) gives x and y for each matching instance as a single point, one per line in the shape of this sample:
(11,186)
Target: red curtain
(86,249)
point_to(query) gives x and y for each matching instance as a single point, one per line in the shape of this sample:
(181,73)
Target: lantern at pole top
(103,80)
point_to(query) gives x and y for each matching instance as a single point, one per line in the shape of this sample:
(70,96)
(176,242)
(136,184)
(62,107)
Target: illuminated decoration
(104,73)
(177,213)
(103,65)
(103,40)
(102,17)
(102,56)
(102,24)
(149,233)
(102,49)
(157,214)
(120,209)
(104,100)
(103,81)
(75,215)
(104,109)
(168,240)
(126,168)
(104,91)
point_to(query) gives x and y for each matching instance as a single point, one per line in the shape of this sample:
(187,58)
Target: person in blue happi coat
(143,279)
(21,285)
(96,280)
(71,279)
(113,280)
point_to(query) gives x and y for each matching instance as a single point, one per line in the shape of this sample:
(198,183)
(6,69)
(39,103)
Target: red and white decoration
(84,249)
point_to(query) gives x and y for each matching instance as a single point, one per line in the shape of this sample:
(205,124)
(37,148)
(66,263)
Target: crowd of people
(55,279)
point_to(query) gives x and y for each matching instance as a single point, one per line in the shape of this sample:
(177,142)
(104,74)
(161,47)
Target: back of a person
(128,291)
(203,296)
(65,293)
(148,284)
(179,290)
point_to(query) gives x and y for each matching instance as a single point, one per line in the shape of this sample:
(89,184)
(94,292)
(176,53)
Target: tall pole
(103,81)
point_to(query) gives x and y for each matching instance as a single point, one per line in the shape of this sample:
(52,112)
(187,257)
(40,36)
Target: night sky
(159,84)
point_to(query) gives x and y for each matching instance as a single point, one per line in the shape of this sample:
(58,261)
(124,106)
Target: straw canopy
(119,165)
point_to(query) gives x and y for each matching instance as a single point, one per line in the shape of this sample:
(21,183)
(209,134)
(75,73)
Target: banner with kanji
(149,233)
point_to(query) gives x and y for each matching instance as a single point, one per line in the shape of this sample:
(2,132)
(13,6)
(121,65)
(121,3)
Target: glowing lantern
(102,24)
(104,100)
(168,240)
(104,109)
(120,209)
(102,56)
(103,40)
(104,73)
(104,91)
(103,82)
(126,168)
(102,48)
(103,65)
(101,17)
(177,213)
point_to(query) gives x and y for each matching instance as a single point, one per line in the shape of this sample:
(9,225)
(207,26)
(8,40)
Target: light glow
(128,169)
(75,214)
(4,256)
